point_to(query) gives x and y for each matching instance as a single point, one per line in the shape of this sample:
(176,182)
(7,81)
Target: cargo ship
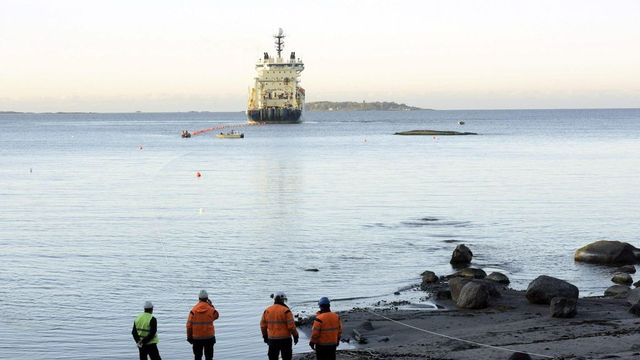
(276,96)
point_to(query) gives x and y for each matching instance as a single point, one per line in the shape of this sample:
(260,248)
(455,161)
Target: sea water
(101,212)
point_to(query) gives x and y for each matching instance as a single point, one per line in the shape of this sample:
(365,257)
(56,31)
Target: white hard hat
(280,294)
(203,294)
(148,305)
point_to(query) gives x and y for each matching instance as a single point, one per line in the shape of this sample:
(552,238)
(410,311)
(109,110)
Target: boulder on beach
(500,278)
(544,288)
(469,273)
(456,284)
(474,295)
(633,296)
(622,278)
(635,310)
(562,307)
(608,252)
(617,291)
(629,269)
(636,284)
(428,278)
(461,255)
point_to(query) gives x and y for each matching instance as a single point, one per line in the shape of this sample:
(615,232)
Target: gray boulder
(562,307)
(608,253)
(544,288)
(622,279)
(428,278)
(474,295)
(635,310)
(500,278)
(633,296)
(469,273)
(636,284)
(456,284)
(629,269)
(617,291)
(461,255)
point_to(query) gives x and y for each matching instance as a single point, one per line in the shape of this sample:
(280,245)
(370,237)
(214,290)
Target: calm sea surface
(100,212)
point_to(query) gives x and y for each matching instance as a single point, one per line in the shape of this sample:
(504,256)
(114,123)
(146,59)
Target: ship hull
(275,116)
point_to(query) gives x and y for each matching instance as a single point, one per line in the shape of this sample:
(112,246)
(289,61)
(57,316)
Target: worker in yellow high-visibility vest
(145,333)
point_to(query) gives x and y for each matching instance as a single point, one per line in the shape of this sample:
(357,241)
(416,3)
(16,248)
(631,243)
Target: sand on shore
(602,329)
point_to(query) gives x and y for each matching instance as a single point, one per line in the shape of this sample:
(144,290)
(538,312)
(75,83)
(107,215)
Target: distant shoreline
(358,106)
(9,112)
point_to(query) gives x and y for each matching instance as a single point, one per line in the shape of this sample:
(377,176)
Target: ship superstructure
(276,96)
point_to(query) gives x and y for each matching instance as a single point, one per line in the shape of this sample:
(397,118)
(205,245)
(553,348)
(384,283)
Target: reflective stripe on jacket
(200,322)
(327,329)
(143,326)
(277,322)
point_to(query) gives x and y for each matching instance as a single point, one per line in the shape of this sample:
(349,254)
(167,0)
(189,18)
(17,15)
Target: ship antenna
(279,41)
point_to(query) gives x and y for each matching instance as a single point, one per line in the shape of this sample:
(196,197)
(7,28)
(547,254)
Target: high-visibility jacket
(200,321)
(143,326)
(277,323)
(327,329)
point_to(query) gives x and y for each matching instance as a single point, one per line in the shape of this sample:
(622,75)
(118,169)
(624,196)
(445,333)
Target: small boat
(185,134)
(460,122)
(230,135)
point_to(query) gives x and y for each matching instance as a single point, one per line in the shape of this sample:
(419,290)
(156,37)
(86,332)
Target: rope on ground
(458,339)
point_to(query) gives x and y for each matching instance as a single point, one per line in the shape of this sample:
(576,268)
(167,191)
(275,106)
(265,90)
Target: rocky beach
(480,317)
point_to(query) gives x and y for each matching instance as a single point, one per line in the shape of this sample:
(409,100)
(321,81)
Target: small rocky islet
(548,319)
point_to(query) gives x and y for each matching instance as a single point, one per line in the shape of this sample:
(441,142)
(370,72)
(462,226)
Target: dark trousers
(151,350)
(203,345)
(280,346)
(326,352)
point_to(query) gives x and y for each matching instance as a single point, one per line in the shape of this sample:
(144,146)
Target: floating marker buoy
(198,174)
(140,147)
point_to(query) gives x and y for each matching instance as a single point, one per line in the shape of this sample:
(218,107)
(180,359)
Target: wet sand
(602,329)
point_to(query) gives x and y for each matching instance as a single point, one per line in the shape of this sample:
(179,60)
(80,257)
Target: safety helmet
(324,301)
(279,295)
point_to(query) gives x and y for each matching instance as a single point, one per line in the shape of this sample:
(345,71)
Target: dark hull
(275,115)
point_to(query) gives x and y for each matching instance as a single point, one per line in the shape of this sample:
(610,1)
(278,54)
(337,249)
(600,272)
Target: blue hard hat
(324,301)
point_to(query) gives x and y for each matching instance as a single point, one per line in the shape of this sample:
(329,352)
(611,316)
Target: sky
(143,55)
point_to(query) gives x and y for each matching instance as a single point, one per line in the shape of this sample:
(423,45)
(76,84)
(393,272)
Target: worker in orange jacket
(277,328)
(200,331)
(326,331)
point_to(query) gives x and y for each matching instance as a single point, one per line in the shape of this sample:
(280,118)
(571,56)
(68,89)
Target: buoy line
(459,339)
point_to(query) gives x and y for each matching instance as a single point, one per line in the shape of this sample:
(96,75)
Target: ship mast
(279,41)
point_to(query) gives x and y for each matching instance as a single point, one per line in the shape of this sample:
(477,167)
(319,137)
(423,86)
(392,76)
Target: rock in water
(544,288)
(474,295)
(428,278)
(617,291)
(629,269)
(500,278)
(461,255)
(608,253)
(469,273)
(622,278)
(519,356)
(563,307)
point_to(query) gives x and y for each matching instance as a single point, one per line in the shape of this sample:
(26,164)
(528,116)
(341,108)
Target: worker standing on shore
(145,333)
(326,331)
(277,328)
(200,331)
